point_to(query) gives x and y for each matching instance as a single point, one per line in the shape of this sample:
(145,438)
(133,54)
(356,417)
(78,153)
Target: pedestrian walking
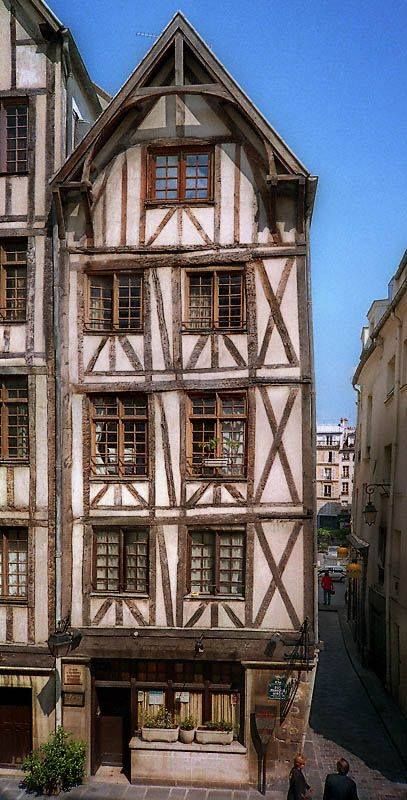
(327,585)
(339,786)
(298,788)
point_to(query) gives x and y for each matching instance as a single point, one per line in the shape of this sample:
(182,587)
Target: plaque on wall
(277,689)
(73,699)
(73,676)
(156,698)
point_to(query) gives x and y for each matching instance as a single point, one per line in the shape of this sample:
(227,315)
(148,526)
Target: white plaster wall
(39,343)
(20,623)
(227,167)
(19,187)
(5,47)
(41,584)
(41,408)
(77,456)
(77,562)
(22,483)
(40,127)
(3,486)
(30,67)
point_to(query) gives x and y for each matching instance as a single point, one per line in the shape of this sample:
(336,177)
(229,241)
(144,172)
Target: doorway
(15,726)
(112,727)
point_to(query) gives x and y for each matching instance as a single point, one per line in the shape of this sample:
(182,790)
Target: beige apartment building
(378,606)
(335,461)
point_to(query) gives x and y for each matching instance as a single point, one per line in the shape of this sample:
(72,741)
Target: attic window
(180,175)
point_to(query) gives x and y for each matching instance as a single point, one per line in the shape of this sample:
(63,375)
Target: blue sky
(331,76)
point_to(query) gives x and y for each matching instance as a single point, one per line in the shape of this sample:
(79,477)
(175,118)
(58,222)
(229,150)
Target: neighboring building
(334,473)
(46,100)
(186,382)
(379,604)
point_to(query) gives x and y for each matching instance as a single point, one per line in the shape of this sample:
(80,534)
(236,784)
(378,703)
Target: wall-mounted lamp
(370,511)
(64,639)
(199,646)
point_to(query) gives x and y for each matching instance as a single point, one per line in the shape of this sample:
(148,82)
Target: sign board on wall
(73,676)
(156,698)
(73,699)
(277,688)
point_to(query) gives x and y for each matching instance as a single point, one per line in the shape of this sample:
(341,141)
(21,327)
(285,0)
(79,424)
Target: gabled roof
(229,91)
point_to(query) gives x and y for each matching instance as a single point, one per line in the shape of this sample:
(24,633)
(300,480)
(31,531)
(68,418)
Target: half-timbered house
(185,380)
(46,99)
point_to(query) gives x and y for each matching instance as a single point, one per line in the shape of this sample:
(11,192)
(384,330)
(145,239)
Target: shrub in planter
(56,766)
(159,727)
(219,732)
(187,729)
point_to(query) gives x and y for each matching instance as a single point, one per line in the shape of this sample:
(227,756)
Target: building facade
(334,472)
(378,604)
(46,100)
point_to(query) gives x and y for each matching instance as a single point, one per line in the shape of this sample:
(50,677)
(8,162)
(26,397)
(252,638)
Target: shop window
(119,435)
(176,175)
(215,300)
(115,302)
(13,280)
(120,560)
(216,560)
(14,419)
(217,434)
(13,563)
(13,136)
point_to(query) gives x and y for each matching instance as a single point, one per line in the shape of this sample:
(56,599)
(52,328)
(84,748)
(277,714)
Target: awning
(358,544)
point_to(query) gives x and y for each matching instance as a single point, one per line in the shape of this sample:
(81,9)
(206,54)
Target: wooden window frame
(326,487)
(215,272)
(6,534)
(5,404)
(7,245)
(122,531)
(121,418)
(115,278)
(218,418)
(217,533)
(181,152)
(5,103)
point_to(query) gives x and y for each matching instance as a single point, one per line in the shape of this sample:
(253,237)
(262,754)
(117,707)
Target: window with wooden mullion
(115,302)
(119,436)
(14,563)
(120,560)
(13,280)
(216,562)
(180,175)
(14,419)
(216,300)
(13,136)
(218,434)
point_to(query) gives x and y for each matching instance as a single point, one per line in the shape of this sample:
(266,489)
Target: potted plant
(159,727)
(219,732)
(57,765)
(187,729)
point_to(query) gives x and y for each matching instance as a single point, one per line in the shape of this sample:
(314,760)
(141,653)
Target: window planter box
(159,734)
(204,736)
(186,737)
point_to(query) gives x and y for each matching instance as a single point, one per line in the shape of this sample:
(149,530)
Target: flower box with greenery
(187,729)
(56,766)
(159,727)
(219,732)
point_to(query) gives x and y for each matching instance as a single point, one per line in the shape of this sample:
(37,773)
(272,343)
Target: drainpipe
(57,248)
(390,513)
(313,420)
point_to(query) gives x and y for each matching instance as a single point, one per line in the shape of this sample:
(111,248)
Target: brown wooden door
(15,726)
(112,727)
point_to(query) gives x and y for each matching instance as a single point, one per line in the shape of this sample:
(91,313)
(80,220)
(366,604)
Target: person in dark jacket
(340,786)
(298,788)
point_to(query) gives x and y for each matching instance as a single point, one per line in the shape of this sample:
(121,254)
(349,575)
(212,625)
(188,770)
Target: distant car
(336,572)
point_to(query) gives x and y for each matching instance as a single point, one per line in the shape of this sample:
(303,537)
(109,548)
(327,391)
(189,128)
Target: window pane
(107,544)
(136,561)
(106,446)
(233,446)
(166,179)
(203,443)
(230,299)
(14,436)
(202,562)
(200,300)
(197,176)
(231,562)
(17,543)
(17,138)
(14,262)
(129,303)
(134,461)
(101,303)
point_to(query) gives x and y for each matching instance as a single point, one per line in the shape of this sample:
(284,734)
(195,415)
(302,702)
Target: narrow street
(343,722)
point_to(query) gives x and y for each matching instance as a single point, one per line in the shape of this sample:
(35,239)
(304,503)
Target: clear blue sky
(331,76)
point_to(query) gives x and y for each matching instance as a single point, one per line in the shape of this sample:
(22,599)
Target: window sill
(186,330)
(118,478)
(4,321)
(113,331)
(136,743)
(178,203)
(10,462)
(128,595)
(14,601)
(217,478)
(4,174)
(229,597)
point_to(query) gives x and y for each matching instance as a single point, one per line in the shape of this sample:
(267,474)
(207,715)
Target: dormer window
(180,175)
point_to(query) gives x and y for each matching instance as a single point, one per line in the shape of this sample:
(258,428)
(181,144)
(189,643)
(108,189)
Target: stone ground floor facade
(349,718)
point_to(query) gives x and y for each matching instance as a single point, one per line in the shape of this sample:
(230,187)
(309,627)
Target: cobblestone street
(344,722)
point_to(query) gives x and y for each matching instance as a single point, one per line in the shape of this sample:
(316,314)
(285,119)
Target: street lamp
(370,511)
(64,639)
